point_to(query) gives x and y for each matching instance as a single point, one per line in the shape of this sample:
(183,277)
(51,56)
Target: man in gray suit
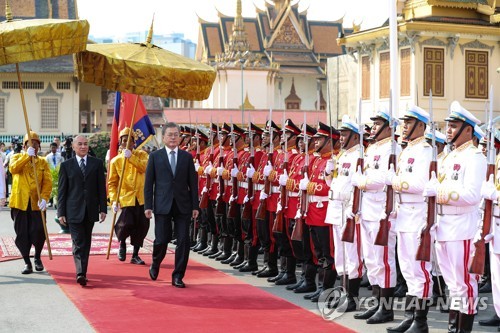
(171,192)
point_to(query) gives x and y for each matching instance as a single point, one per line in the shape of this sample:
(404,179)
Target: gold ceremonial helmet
(126,131)
(34,136)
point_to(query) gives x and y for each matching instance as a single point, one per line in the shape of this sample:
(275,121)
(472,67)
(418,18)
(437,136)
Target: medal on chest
(376,159)
(409,167)
(456,169)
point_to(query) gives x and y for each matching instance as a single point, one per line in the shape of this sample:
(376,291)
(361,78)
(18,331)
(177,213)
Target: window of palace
(405,59)
(2,113)
(50,113)
(385,75)
(365,77)
(434,71)
(476,74)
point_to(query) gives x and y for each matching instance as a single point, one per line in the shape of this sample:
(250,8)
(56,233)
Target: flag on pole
(123,111)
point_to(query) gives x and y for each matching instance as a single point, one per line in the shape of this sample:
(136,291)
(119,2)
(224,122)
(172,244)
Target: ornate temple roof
(30,9)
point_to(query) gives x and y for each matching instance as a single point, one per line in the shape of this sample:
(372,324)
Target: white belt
(371,191)
(409,197)
(454,210)
(293,194)
(275,189)
(338,196)
(259,187)
(243,184)
(316,198)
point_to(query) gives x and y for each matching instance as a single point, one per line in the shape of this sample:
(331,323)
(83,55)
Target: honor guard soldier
(24,201)
(380,260)
(408,182)
(325,145)
(132,222)
(348,259)
(458,193)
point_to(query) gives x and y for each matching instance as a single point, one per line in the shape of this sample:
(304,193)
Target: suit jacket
(77,195)
(161,187)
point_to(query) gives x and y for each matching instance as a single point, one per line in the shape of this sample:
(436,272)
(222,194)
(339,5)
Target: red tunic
(316,213)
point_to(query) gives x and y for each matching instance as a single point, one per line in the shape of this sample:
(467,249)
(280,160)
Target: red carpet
(120,297)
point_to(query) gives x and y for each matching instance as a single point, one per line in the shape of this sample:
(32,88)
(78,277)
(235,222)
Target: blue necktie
(54,159)
(172,161)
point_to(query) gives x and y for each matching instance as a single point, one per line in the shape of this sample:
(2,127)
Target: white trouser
(454,258)
(495,279)
(351,252)
(416,273)
(380,261)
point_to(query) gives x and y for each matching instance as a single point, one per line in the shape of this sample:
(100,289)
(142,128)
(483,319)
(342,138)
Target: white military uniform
(339,203)
(495,246)
(458,196)
(411,176)
(380,261)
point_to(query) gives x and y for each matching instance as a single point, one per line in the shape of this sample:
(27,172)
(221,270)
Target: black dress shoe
(177,282)
(153,272)
(493,321)
(228,260)
(38,265)
(137,261)
(305,288)
(268,272)
(214,255)
(122,254)
(276,277)
(286,279)
(485,288)
(313,295)
(295,285)
(248,268)
(82,280)
(28,269)
(223,257)
(237,261)
(258,271)
(242,264)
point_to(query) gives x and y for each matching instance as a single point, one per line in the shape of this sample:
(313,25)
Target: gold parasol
(37,39)
(143,69)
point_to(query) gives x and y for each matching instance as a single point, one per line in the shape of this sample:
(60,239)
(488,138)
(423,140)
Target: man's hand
(195,214)
(263,195)
(430,189)
(148,213)
(357,177)
(390,175)
(304,182)
(220,170)
(267,169)
(250,171)
(31,151)
(42,204)
(196,165)
(234,171)
(127,153)
(330,166)
(62,220)
(102,217)
(209,168)
(283,178)
(489,190)
(116,207)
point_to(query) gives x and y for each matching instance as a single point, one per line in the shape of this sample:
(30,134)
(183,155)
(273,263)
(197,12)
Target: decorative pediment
(432,42)
(476,44)
(288,37)
(49,92)
(385,44)
(365,49)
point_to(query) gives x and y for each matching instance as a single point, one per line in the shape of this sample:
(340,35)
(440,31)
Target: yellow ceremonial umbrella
(143,69)
(37,39)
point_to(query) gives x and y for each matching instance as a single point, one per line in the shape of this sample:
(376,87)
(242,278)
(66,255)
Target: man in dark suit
(81,201)
(171,191)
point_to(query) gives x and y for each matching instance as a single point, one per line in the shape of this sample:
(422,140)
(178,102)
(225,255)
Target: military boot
(371,310)
(419,324)
(384,312)
(289,277)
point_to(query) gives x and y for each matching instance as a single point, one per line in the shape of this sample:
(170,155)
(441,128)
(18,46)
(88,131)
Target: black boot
(266,261)
(289,277)
(493,321)
(384,313)
(371,310)
(486,287)
(321,275)
(419,324)
(329,277)
(410,305)
(213,247)
(226,249)
(465,323)
(438,294)
(202,244)
(272,266)
(309,284)
(352,294)
(453,317)
(251,264)
(242,257)
(281,272)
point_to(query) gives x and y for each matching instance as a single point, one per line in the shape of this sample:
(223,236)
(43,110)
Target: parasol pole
(120,183)
(28,131)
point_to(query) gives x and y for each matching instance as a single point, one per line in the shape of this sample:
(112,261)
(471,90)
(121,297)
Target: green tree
(99,143)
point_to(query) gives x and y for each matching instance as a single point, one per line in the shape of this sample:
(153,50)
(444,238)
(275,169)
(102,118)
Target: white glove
(220,170)
(205,190)
(31,151)
(42,204)
(267,169)
(330,166)
(478,237)
(246,199)
(349,215)
(356,177)
(263,195)
(430,189)
(127,153)
(196,165)
(489,190)
(283,178)
(250,171)
(116,207)
(304,182)
(234,171)
(279,208)
(231,198)
(390,175)
(209,168)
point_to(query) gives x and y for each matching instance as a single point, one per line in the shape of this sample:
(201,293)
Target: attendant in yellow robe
(24,201)
(132,221)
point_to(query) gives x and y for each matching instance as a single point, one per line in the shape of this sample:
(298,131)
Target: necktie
(172,161)
(82,166)
(54,159)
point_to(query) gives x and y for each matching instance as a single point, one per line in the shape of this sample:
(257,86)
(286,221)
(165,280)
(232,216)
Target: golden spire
(238,42)
(8,11)
(149,38)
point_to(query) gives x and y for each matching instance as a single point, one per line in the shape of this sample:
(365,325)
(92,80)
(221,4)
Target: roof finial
(8,11)
(150,33)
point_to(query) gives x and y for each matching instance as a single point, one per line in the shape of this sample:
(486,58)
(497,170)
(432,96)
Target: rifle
(478,260)
(278,222)
(382,237)
(247,207)
(298,228)
(262,209)
(220,207)
(348,235)
(424,246)
(233,204)
(206,192)
(195,221)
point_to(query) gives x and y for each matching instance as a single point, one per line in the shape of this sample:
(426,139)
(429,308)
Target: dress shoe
(242,264)
(486,287)
(305,288)
(228,260)
(313,295)
(286,279)
(122,254)
(493,321)
(153,272)
(268,272)
(249,268)
(223,257)
(276,277)
(28,269)
(296,285)
(200,247)
(237,261)
(258,271)
(137,261)
(214,255)
(82,280)
(177,282)
(38,265)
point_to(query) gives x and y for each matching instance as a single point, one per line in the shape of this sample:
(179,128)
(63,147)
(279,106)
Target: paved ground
(35,302)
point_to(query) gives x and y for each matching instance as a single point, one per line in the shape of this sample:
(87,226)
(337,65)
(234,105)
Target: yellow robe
(133,181)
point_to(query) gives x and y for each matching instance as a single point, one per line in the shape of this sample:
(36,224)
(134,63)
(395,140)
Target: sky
(117,17)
